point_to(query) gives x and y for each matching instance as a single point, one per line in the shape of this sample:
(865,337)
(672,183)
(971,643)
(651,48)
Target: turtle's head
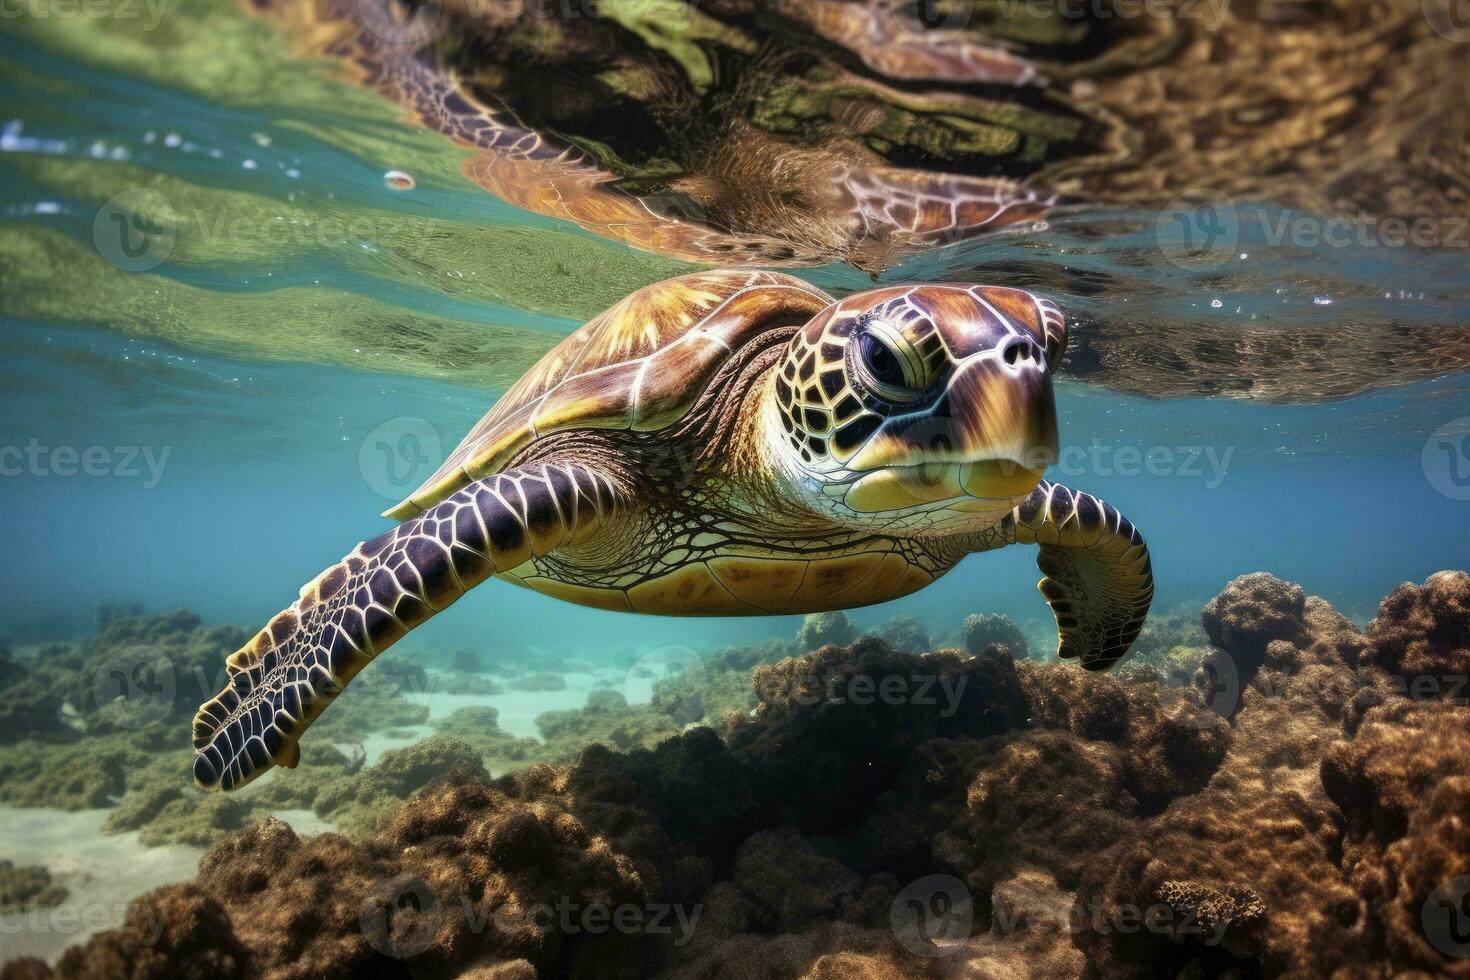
(923,408)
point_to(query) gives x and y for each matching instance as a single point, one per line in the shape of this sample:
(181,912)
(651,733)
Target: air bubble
(399,181)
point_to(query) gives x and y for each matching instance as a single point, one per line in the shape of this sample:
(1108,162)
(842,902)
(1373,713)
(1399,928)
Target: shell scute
(640,364)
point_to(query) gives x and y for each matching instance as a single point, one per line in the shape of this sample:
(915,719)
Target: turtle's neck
(751,456)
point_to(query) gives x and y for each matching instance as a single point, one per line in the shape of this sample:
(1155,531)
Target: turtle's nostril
(1017,350)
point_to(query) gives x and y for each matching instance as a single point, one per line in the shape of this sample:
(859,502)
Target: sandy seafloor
(103,872)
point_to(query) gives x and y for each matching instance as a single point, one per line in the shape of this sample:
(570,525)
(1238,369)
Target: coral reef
(706,689)
(1296,811)
(819,629)
(982,630)
(177,932)
(479,727)
(98,723)
(1404,794)
(30,885)
(716,684)
(606,719)
(905,632)
(1423,631)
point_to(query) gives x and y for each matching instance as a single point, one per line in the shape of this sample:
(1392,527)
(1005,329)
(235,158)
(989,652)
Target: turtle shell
(639,365)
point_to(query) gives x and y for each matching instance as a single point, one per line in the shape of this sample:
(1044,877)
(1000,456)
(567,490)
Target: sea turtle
(723,443)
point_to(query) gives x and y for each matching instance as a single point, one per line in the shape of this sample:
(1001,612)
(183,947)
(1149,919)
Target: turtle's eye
(888,364)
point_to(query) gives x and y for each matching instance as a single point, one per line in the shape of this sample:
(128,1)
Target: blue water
(262,484)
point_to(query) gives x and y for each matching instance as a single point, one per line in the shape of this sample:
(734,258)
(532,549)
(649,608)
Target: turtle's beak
(990,435)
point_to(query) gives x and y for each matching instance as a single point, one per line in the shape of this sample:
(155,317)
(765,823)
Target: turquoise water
(207,426)
(262,482)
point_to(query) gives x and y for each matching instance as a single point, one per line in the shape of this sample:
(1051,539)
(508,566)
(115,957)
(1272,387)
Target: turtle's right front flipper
(283,678)
(1098,578)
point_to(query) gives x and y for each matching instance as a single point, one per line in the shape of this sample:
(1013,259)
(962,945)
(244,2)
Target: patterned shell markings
(638,365)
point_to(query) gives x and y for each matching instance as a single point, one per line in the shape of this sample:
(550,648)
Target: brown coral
(1404,795)
(174,933)
(1212,908)
(1422,632)
(1252,611)
(1093,824)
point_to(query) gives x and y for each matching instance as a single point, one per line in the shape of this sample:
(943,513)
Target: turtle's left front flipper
(1098,580)
(281,680)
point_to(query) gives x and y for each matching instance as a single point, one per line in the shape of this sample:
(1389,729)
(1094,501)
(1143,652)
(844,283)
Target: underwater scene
(972,488)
